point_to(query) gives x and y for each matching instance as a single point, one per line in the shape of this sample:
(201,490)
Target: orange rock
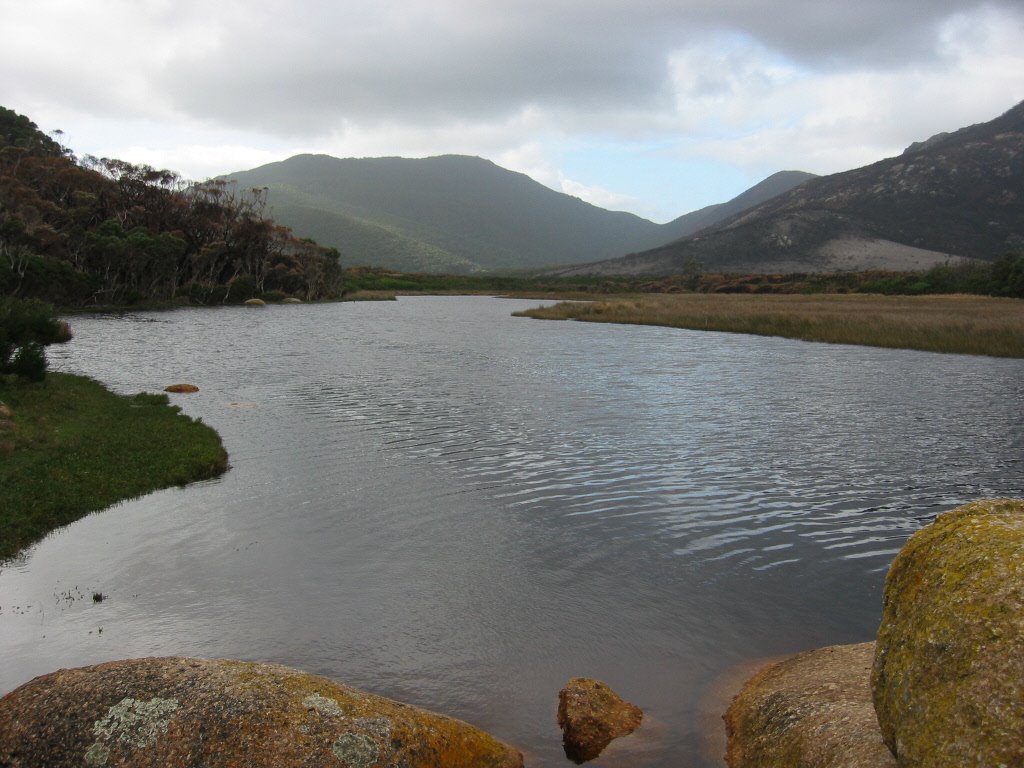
(226,714)
(590,715)
(181,388)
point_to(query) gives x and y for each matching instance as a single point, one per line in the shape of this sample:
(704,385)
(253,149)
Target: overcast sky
(657,107)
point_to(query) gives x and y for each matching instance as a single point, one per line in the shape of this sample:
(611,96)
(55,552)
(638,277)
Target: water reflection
(460,509)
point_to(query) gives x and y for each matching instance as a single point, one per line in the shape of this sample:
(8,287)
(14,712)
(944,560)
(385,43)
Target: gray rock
(193,713)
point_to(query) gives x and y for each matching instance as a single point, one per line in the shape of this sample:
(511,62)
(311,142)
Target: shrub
(240,288)
(29,362)
(26,327)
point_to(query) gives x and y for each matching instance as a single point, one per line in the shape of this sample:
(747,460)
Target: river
(459,509)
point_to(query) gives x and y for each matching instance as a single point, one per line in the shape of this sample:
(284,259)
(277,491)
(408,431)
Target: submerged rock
(182,388)
(219,714)
(291,300)
(812,710)
(948,675)
(590,715)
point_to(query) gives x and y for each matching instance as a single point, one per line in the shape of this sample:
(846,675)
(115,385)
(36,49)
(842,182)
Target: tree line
(105,232)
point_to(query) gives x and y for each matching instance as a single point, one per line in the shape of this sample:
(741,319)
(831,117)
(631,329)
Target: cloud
(820,85)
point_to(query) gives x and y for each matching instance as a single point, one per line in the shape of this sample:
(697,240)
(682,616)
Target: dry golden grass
(977,325)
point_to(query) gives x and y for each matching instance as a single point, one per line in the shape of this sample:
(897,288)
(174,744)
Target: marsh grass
(959,324)
(72,447)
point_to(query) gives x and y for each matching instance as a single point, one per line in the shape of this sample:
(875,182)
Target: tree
(26,327)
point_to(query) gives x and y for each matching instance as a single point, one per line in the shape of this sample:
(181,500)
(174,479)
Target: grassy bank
(70,447)
(960,324)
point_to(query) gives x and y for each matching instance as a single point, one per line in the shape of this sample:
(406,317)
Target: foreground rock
(218,714)
(812,710)
(590,715)
(948,674)
(182,388)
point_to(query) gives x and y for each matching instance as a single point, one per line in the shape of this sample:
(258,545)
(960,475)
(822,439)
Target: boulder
(217,713)
(948,675)
(291,300)
(590,715)
(185,388)
(254,302)
(812,710)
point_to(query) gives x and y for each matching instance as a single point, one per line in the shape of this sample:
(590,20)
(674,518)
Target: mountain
(459,214)
(958,194)
(774,185)
(449,213)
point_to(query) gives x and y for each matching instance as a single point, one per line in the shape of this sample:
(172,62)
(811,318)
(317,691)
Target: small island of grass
(69,446)
(977,325)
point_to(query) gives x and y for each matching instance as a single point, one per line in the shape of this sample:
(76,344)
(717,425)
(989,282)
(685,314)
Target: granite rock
(590,715)
(812,710)
(948,676)
(190,712)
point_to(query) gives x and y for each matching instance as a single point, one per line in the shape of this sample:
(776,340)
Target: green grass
(975,325)
(73,447)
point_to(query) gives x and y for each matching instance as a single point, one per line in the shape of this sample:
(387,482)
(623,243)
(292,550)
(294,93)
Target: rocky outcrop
(195,712)
(182,388)
(590,715)
(943,687)
(948,673)
(813,709)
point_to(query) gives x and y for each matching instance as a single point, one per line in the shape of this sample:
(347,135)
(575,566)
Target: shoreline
(73,447)
(955,323)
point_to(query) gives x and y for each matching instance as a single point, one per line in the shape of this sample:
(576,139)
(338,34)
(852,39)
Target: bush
(29,362)
(26,327)
(1008,275)
(240,289)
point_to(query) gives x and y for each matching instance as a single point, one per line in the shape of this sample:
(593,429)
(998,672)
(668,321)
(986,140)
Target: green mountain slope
(461,214)
(448,212)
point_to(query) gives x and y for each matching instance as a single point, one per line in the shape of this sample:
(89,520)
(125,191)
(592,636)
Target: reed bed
(977,325)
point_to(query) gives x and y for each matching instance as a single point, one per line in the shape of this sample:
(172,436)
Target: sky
(657,107)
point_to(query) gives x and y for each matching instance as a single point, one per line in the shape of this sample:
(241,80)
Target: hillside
(459,214)
(106,232)
(774,185)
(957,194)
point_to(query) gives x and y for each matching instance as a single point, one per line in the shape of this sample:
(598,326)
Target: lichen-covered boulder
(219,714)
(812,710)
(590,715)
(948,676)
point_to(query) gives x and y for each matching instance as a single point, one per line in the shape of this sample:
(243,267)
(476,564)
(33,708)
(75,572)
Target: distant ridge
(958,194)
(776,184)
(460,214)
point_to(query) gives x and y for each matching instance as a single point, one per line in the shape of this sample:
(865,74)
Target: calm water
(456,508)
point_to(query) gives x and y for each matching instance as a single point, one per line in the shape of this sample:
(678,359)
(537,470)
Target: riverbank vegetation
(960,324)
(104,232)
(68,447)
(1002,277)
